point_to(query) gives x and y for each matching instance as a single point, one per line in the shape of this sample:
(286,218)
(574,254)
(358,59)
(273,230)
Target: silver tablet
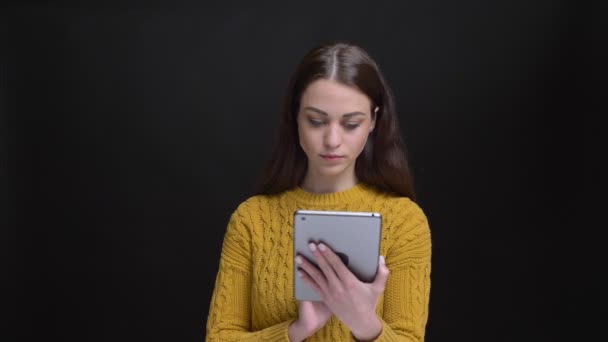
(354,236)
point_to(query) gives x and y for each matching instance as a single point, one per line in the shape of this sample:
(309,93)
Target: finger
(381,276)
(336,264)
(324,265)
(312,272)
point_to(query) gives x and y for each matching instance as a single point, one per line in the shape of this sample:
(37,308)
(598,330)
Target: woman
(339,149)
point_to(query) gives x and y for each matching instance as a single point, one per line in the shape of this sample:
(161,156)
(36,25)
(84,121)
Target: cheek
(358,141)
(306,139)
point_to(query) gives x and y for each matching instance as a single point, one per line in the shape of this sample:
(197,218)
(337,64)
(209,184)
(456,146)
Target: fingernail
(299,274)
(322,247)
(299,260)
(312,246)
(382,259)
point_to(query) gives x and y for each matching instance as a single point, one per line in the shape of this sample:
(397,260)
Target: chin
(331,171)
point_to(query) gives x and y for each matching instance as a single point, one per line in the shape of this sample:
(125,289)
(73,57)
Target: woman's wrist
(296,332)
(369,331)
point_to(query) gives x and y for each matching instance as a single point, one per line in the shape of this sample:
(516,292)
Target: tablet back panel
(355,236)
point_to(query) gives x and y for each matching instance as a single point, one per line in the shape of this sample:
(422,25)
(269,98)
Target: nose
(332,137)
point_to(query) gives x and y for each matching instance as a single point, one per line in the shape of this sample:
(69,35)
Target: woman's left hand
(351,300)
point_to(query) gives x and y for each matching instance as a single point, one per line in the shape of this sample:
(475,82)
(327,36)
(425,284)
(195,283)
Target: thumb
(304,306)
(305,303)
(381,276)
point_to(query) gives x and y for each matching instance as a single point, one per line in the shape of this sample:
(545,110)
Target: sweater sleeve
(229,316)
(406,295)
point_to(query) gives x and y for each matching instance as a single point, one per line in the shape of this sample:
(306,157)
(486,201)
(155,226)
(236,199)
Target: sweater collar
(352,194)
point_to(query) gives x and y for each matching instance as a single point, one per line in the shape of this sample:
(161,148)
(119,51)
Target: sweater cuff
(390,335)
(277,332)
(386,335)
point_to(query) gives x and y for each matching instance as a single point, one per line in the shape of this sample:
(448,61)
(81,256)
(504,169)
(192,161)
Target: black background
(136,129)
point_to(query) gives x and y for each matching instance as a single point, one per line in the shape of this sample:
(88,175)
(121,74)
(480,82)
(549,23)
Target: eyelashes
(316,123)
(348,126)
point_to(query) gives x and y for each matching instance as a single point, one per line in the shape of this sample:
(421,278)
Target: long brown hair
(382,163)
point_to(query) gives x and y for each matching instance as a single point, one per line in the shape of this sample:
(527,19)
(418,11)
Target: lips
(331,157)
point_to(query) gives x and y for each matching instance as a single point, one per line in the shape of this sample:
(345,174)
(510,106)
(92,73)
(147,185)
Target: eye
(315,123)
(351,125)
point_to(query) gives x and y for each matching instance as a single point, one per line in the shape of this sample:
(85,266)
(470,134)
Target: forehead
(334,98)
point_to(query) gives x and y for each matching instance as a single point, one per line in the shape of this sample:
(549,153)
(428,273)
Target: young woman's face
(334,122)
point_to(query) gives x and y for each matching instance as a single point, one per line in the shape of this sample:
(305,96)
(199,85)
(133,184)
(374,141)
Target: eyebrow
(317,110)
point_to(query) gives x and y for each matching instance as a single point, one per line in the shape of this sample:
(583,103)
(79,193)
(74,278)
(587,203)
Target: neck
(327,184)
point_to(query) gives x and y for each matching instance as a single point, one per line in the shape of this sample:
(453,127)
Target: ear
(373,125)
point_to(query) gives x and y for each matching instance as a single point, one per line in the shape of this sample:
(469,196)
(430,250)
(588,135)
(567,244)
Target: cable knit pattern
(253,299)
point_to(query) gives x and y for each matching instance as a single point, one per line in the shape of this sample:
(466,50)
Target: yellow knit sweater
(253,299)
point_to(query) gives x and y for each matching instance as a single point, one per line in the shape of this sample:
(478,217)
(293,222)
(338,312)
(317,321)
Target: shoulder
(255,205)
(406,232)
(251,215)
(401,213)
(396,205)
(405,208)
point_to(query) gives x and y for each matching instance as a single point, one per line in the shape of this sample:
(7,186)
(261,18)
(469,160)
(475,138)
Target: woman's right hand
(312,316)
